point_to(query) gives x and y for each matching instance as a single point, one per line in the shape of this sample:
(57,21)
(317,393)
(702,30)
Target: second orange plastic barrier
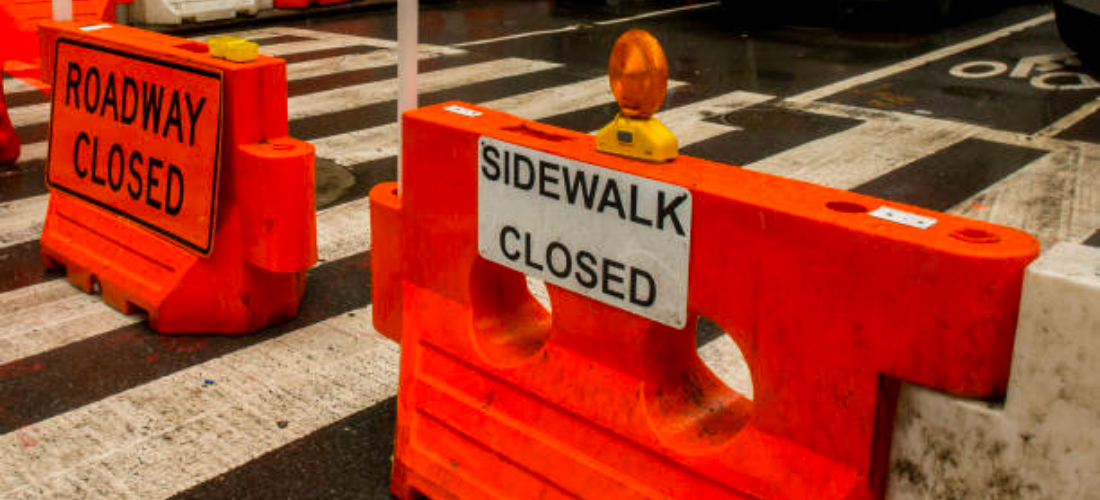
(834,298)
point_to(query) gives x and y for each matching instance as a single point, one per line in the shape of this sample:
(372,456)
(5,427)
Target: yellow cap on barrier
(233,49)
(242,51)
(217,45)
(639,79)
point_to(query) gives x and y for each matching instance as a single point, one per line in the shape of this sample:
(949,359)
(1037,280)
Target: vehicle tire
(1078,28)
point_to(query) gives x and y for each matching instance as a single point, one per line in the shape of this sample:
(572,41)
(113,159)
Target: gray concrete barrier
(1044,441)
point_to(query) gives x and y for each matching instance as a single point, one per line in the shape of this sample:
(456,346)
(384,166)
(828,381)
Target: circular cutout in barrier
(974,235)
(690,407)
(846,207)
(723,357)
(509,324)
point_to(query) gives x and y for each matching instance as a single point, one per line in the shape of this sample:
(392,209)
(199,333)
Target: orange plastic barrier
(19,54)
(9,142)
(19,22)
(833,297)
(173,185)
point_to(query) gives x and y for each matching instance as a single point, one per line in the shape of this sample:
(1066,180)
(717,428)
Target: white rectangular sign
(902,217)
(618,238)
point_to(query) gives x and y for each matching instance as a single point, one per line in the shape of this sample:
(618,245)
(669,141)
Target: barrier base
(9,141)
(137,271)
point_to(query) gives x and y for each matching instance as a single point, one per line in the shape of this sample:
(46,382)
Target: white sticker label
(95,27)
(459,110)
(904,218)
(618,238)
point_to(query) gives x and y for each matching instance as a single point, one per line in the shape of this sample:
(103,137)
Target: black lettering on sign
(579,186)
(546,178)
(109,98)
(89,105)
(566,260)
(630,201)
(634,217)
(129,101)
(527,253)
(153,181)
(98,93)
(523,165)
(193,111)
(135,176)
(490,168)
(174,117)
(586,269)
(615,279)
(95,163)
(143,137)
(121,170)
(81,138)
(669,211)
(635,288)
(152,96)
(112,164)
(612,235)
(174,183)
(504,244)
(611,198)
(72,84)
(611,268)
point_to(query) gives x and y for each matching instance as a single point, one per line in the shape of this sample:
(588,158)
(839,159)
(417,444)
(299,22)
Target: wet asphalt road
(988,118)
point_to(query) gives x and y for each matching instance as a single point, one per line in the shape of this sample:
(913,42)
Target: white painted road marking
(170,434)
(935,55)
(330,101)
(49,315)
(608,22)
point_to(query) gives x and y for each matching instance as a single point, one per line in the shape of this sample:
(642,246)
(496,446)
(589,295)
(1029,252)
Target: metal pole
(407,17)
(62,10)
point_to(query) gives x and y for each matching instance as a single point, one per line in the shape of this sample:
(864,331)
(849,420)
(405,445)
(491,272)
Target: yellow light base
(642,138)
(233,49)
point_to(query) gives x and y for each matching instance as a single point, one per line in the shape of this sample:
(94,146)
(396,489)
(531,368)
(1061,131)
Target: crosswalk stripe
(52,314)
(69,317)
(321,40)
(1064,183)
(726,361)
(322,103)
(21,221)
(13,85)
(40,113)
(177,431)
(857,155)
(380,142)
(687,122)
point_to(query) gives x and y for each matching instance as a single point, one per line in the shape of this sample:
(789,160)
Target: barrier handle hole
(975,235)
(196,47)
(538,131)
(846,207)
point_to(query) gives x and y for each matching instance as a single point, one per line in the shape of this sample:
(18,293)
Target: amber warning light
(639,79)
